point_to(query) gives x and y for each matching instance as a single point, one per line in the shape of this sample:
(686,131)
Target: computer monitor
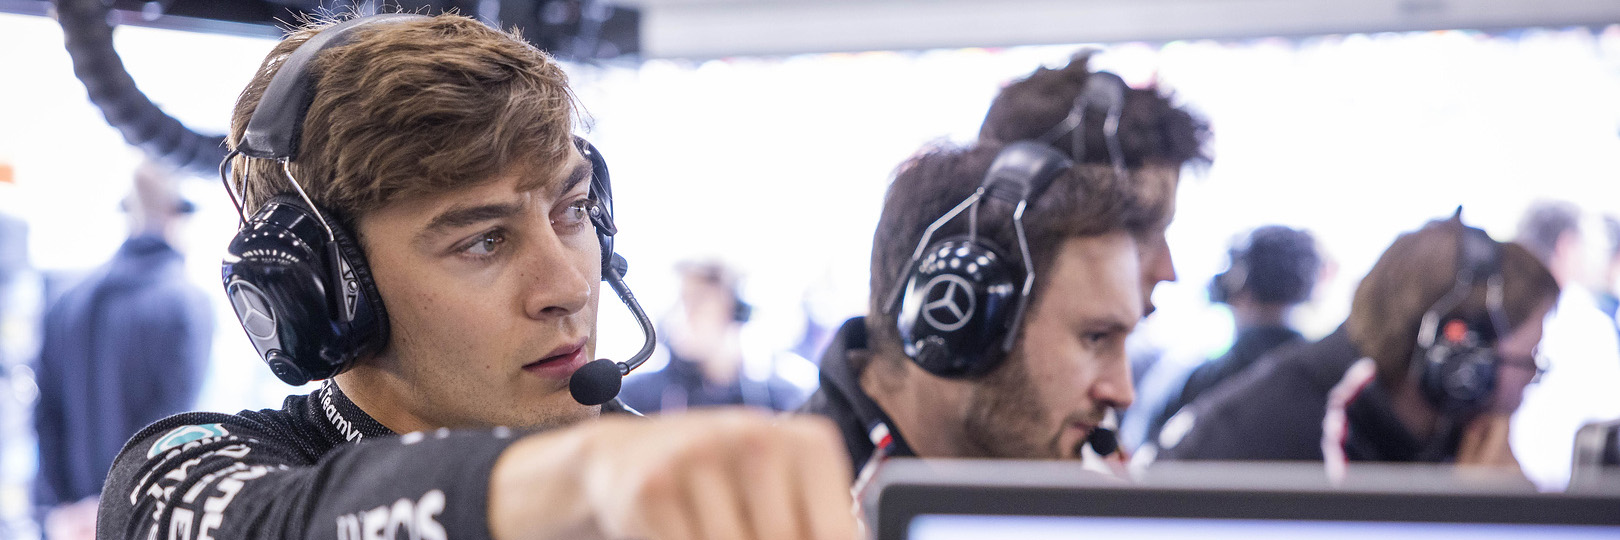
(981,499)
(1597,456)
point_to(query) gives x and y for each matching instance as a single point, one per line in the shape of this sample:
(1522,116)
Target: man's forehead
(552,176)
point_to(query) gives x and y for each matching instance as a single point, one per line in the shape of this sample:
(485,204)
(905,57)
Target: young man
(953,361)
(445,147)
(1429,366)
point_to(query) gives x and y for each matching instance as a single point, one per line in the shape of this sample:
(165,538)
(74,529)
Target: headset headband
(276,125)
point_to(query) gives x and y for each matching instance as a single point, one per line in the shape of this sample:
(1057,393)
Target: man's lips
(561,362)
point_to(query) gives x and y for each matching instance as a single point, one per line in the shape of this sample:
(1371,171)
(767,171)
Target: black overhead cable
(87,31)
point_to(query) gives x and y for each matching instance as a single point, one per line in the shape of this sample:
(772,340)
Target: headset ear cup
(292,288)
(1458,377)
(1217,289)
(956,309)
(606,244)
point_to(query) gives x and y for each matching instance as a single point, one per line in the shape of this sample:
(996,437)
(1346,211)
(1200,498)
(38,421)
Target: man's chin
(556,411)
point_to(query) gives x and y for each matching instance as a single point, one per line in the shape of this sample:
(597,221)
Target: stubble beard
(1004,417)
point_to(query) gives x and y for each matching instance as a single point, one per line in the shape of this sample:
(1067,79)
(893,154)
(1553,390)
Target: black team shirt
(318,468)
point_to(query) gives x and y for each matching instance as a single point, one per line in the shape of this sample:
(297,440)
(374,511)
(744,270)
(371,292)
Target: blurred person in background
(21,294)
(1582,383)
(1428,367)
(941,367)
(1608,298)
(1270,272)
(127,346)
(708,364)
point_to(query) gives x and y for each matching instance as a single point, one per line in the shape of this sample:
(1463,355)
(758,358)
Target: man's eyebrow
(464,216)
(1104,323)
(581,173)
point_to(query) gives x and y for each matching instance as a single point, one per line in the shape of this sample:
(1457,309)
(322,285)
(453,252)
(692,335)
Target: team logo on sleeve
(184,434)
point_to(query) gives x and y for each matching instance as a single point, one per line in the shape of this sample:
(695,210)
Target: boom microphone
(1102,440)
(596,383)
(599,381)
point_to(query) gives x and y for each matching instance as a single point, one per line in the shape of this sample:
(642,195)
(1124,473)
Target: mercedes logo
(948,302)
(254,310)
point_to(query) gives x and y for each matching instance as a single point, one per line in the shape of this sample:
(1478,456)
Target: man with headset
(1006,275)
(422,230)
(1272,270)
(1429,367)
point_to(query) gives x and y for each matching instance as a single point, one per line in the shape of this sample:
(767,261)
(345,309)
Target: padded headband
(278,120)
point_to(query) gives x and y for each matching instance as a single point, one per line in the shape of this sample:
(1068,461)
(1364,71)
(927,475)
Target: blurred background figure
(1429,366)
(123,348)
(21,295)
(1581,348)
(1268,274)
(1609,276)
(708,364)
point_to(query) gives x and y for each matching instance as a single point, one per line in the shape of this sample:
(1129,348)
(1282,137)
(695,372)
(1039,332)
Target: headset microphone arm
(599,381)
(615,279)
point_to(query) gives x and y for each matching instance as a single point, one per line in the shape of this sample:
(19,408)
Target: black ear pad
(1217,289)
(1460,372)
(308,316)
(359,297)
(957,307)
(602,214)
(1455,361)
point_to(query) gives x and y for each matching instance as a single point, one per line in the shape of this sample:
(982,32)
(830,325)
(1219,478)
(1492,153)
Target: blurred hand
(720,474)
(76,521)
(1485,442)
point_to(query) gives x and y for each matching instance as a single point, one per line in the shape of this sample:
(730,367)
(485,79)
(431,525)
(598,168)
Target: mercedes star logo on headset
(950,302)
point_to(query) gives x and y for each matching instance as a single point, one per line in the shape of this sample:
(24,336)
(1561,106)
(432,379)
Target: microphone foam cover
(595,383)
(1102,441)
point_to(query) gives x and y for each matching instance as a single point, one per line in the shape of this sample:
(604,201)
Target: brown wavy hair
(1153,132)
(409,108)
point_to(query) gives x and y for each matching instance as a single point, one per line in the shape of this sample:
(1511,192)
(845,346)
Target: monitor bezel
(1409,494)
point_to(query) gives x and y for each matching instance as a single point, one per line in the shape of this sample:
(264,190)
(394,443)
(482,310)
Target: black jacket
(841,399)
(1275,411)
(122,349)
(318,468)
(1250,345)
(682,385)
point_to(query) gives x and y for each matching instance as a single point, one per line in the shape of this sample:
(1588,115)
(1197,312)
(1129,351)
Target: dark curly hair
(1274,264)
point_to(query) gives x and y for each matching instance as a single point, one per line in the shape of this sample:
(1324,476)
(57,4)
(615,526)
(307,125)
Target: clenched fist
(717,475)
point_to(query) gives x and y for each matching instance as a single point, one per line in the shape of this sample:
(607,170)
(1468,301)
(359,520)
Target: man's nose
(560,278)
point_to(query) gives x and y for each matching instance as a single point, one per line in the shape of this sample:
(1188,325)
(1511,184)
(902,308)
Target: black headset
(1454,359)
(1226,284)
(296,277)
(960,303)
